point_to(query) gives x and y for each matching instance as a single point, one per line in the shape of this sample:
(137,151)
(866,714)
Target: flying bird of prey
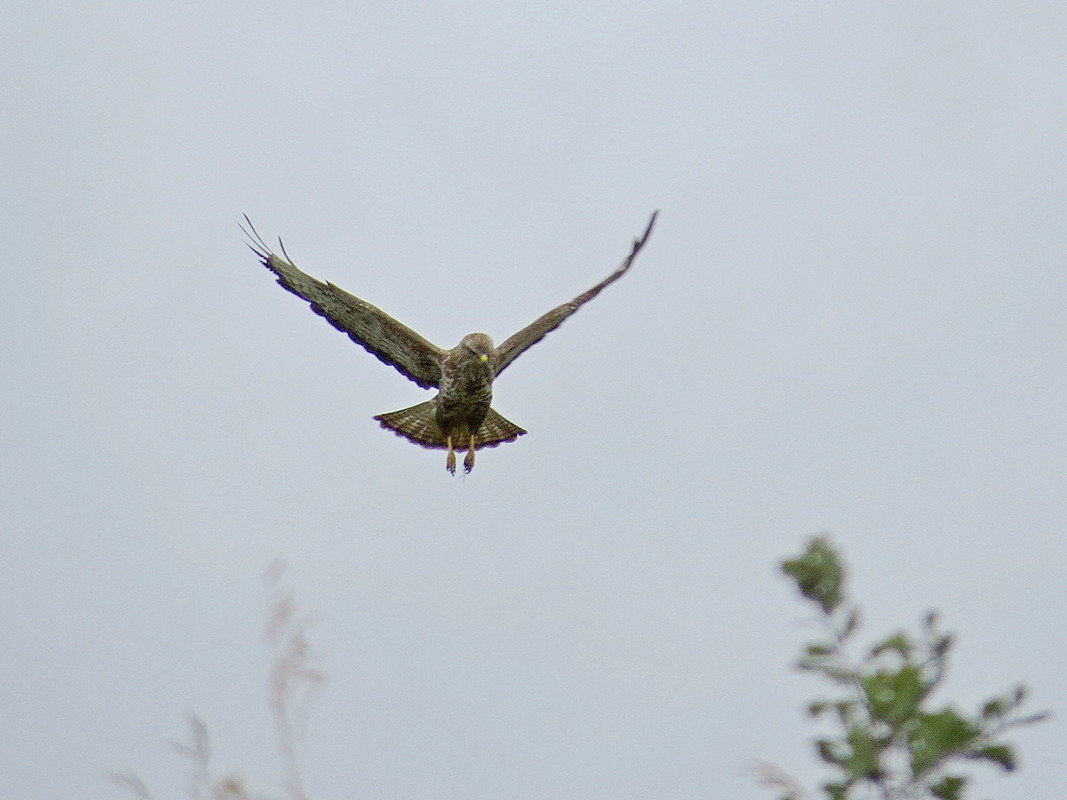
(460,416)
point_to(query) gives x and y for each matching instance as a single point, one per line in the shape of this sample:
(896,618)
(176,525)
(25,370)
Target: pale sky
(850,318)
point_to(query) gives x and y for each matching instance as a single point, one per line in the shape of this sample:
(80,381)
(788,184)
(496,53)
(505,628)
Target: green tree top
(890,741)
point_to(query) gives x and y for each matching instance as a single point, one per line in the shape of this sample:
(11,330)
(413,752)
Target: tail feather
(496,430)
(418,425)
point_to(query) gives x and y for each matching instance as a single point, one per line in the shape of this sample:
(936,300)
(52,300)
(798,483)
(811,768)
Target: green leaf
(1020,696)
(851,623)
(949,788)
(938,736)
(818,708)
(819,649)
(846,711)
(865,760)
(816,656)
(899,643)
(894,696)
(942,645)
(838,674)
(818,573)
(993,709)
(828,751)
(930,622)
(1002,755)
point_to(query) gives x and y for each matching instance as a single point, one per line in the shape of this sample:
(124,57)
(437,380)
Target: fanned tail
(417,424)
(496,430)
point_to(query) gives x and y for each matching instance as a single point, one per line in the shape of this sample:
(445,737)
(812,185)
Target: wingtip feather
(648,230)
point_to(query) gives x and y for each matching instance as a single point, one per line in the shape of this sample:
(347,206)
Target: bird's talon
(468,460)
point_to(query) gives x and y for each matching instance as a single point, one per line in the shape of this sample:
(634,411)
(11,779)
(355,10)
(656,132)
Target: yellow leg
(450,464)
(468,461)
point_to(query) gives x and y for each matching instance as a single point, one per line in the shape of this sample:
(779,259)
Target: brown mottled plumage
(460,416)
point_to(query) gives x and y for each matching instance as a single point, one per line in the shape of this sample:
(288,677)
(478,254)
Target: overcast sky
(850,318)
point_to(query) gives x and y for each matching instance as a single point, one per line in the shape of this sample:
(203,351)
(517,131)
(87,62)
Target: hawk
(460,416)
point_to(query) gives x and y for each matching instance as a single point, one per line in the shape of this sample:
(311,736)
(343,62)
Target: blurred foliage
(888,739)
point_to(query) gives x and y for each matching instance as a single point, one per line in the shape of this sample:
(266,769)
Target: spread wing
(536,331)
(389,340)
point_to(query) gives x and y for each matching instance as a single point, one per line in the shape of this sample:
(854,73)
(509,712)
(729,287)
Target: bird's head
(478,345)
